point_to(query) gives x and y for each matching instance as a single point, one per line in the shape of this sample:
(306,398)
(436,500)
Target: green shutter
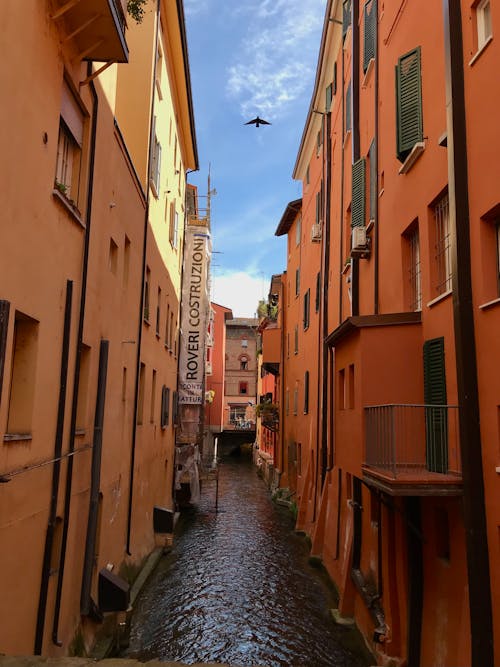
(306,392)
(358,193)
(334,82)
(436,418)
(370,33)
(408,103)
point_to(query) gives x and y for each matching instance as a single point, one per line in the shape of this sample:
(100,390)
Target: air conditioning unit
(359,242)
(316,233)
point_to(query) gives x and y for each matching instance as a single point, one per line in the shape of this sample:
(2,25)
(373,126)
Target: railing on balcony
(413,440)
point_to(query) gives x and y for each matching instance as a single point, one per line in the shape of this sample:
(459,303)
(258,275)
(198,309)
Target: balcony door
(436,413)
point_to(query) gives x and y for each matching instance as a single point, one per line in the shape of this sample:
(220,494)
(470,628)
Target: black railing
(412,439)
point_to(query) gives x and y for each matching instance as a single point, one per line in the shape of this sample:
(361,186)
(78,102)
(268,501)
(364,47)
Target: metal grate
(442,245)
(414,271)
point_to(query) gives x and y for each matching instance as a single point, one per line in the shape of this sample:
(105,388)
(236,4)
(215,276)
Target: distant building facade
(241,373)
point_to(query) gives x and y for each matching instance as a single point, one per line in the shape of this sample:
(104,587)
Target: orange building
(240,389)
(397,469)
(215,378)
(89,299)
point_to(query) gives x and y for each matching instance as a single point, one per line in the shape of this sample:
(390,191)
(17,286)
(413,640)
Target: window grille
(442,245)
(414,271)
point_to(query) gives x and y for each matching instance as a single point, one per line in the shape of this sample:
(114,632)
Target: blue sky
(248,58)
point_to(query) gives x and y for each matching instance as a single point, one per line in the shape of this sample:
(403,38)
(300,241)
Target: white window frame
(483,20)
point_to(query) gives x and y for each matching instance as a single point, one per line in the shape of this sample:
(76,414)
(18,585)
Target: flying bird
(257,121)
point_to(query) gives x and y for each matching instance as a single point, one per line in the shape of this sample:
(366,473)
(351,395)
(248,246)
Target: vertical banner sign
(194,317)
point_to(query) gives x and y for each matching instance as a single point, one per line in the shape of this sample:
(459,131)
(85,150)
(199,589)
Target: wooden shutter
(334,83)
(358,193)
(318,291)
(328,100)
(370,33)
(408,103)
(307,298)
(306,392)
(436,418)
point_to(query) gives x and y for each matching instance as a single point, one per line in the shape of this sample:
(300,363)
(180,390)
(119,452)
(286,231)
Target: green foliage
(77,646)
(136,9)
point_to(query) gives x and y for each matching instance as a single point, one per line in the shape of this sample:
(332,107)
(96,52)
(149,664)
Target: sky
(249,58)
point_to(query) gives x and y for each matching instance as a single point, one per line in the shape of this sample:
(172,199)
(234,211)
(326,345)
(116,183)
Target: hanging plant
(136,9)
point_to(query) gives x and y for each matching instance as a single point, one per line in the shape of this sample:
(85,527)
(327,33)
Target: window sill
(70,208)
(146,321)
(480,51)
(17,437)
(153,188)
(490,304)
(79,431)
(439,298)
(414,155)
(347,136)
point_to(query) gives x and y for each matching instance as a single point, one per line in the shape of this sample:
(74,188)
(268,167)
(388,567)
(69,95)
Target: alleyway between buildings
(238,588)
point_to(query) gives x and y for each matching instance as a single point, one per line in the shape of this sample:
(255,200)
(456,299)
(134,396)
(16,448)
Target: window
(296,345)
(413,280)
(158,312)
(318,292)
(307,299)
(298,227)
(287,401)
(69,172)
(358,205)
(124,384)
(436,421)
(167,327)
(348,108)
(408,103)
(126,261)
(351,387)
(146,294)
(23,379)
(153,398)
(342,389)
(154,174)
(174,226)
(243,388)
(497,245)
(158,71)
(165,406)
(295,400)
(244,342)
(175,412)
(442,248)
(243,364)
(297,282)
(328,97)
(373,181)
(307,176)
(370,16)
(483,19)
(318,208)
(306,392)
(237,414)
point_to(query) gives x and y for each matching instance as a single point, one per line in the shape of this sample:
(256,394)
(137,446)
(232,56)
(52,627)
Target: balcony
(413,450)
(97,28)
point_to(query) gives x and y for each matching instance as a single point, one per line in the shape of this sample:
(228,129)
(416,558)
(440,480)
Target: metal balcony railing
(415,440)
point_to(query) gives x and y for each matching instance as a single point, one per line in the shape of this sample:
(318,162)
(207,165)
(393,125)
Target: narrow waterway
(237,587)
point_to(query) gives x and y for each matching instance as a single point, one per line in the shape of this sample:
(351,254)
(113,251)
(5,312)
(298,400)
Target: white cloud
(194,7)
(239,291)
(277,58)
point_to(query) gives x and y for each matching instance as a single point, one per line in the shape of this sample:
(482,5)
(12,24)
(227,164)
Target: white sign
(194,315)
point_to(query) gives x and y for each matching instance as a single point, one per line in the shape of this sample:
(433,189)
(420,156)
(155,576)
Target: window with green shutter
(328,96)
(306,392)
(373,180)
(307,300)
(436,413)
(358,193)
(408,103)
(370,32)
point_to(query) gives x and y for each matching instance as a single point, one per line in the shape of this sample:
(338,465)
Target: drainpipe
(87,606)
(324,309)
(375,157)
(474,509)
(56,473)
(76,379)
(355,136)
(141,304)
(342,177)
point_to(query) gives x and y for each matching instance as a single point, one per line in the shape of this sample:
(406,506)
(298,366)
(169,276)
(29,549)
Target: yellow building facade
(98,136)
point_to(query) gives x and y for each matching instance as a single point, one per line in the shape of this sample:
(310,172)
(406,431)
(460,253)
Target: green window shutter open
(358,193)
(434,372)
(328,100)
(370,33)
(408,103)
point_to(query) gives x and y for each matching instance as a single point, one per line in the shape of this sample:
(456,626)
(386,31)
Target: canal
(237,587)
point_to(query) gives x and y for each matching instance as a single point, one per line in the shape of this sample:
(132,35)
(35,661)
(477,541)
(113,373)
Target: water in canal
(237,587)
